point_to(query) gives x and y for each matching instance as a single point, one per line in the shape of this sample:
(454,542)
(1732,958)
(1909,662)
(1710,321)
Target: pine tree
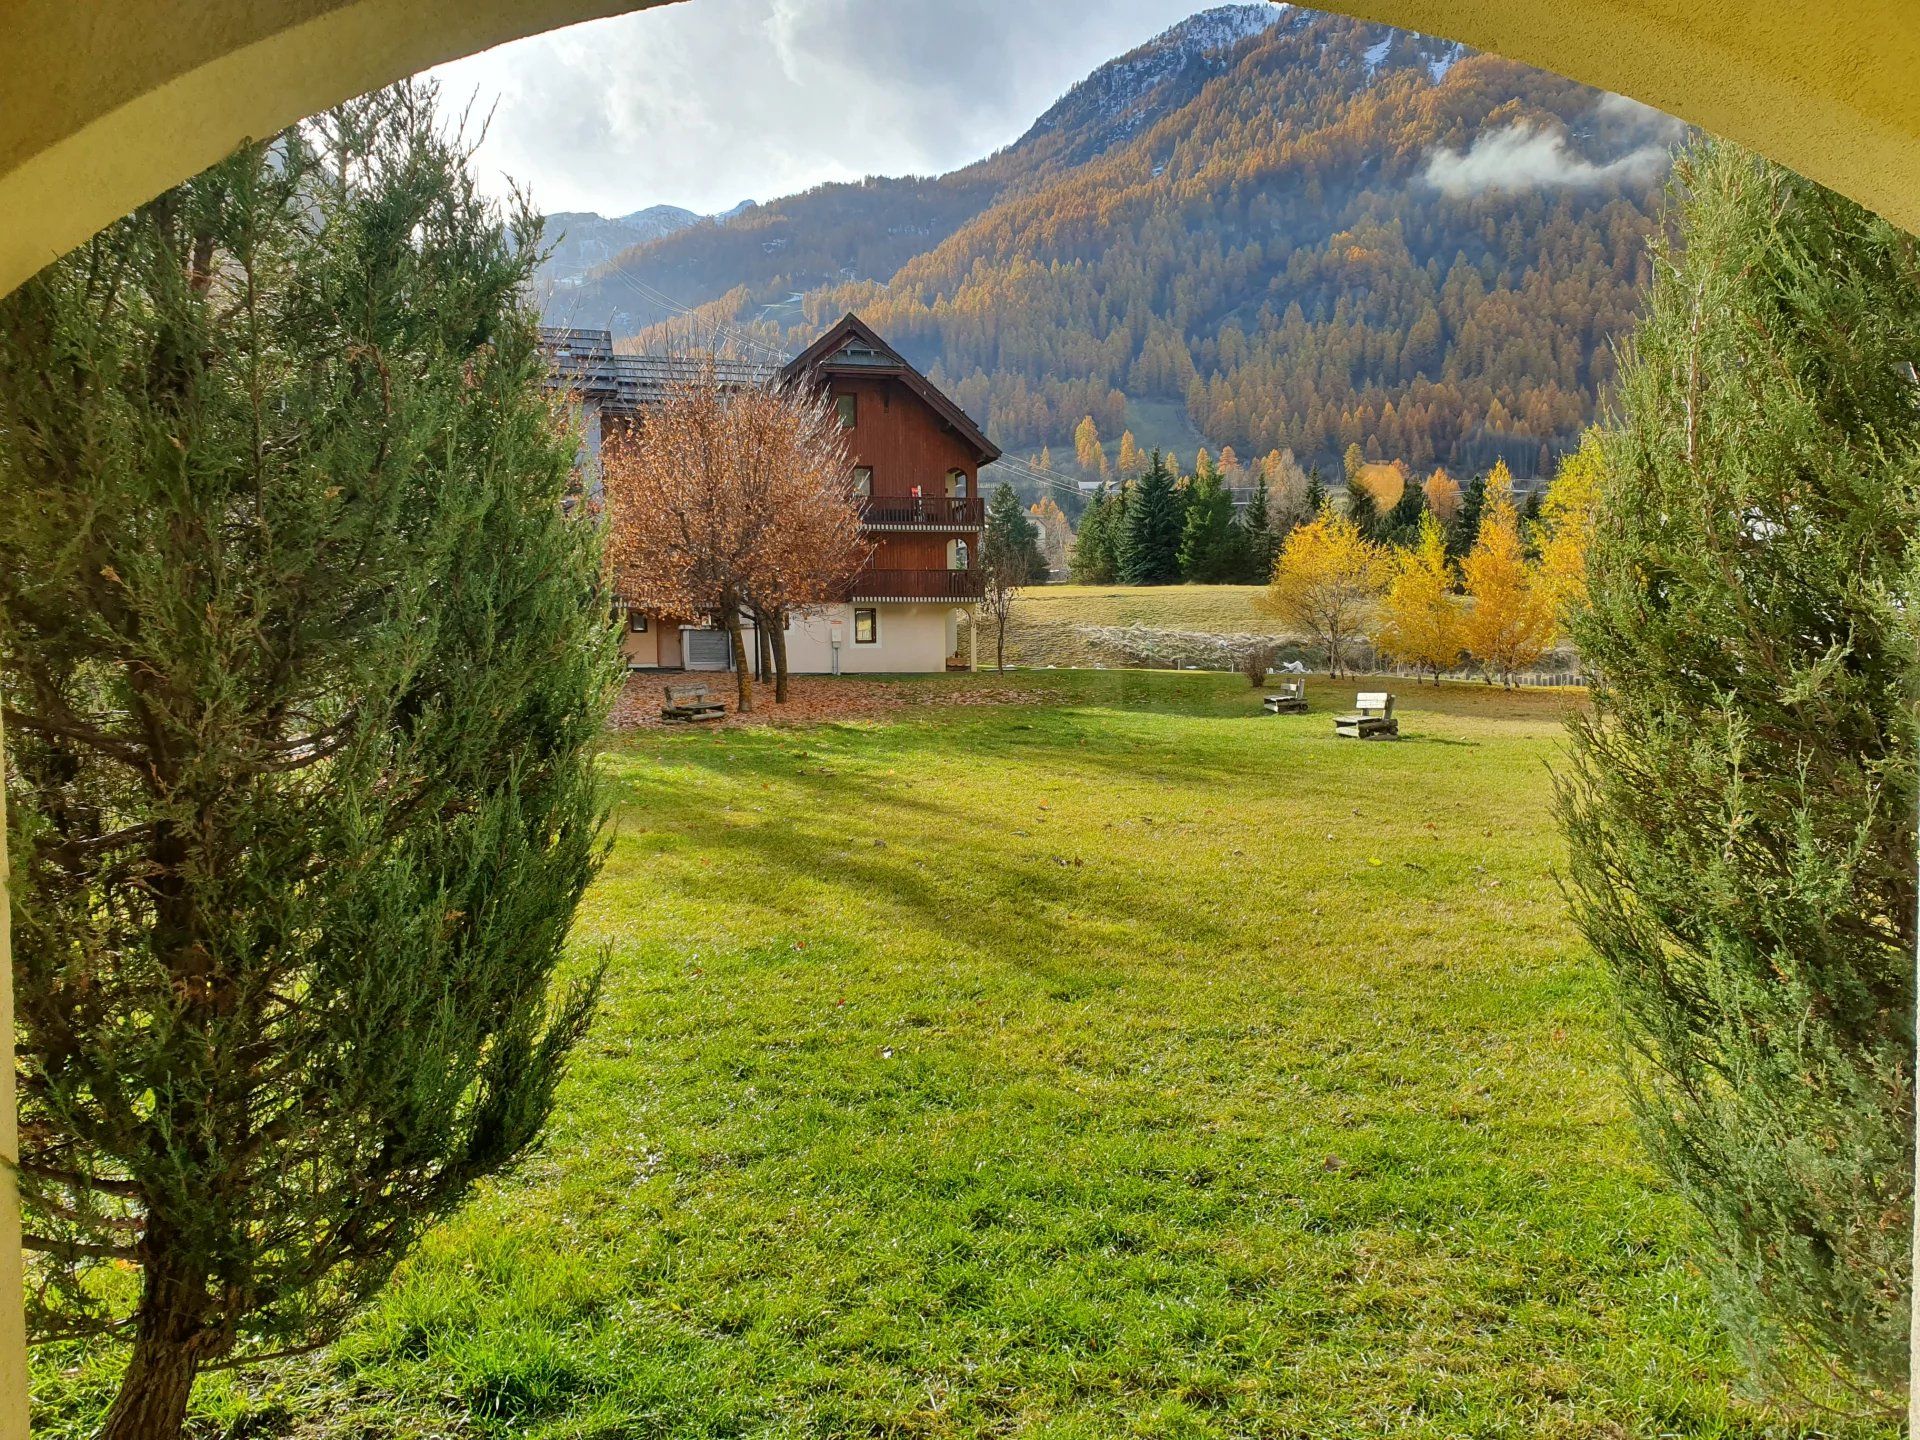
(1011,533)
(305,668)
(1258,543)
(1740,814)
(1010,560)
(1209,544)
(1402,524)
(1316,498)
(1363,510)
(1465,528)
(1149,548)
(1093,560)
(1132,459)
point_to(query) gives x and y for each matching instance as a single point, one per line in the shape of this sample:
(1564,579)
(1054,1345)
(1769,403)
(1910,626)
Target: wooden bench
(1289,699)
(691,702)
(1372,720)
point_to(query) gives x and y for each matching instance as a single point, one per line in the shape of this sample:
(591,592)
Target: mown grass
(1122,1062)
(1049,622)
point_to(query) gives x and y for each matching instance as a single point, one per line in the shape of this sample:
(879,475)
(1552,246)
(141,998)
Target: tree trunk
(778,639)
(1000,646)
(169,1345)
(762,649)
(742,676)
(152,1403)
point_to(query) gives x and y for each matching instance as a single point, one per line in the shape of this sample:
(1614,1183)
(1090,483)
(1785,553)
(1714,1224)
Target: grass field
(1120,1063)
(1049,621)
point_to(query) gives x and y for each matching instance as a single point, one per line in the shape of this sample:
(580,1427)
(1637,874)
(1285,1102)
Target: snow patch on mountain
(1125,95)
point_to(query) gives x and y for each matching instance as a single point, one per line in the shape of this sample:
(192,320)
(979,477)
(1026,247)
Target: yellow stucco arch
(107,102)
(104,103)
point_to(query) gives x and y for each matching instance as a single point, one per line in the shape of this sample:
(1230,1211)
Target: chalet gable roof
(853,347)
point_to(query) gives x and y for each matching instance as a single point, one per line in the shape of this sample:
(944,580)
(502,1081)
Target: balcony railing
(958,586)
(922,512)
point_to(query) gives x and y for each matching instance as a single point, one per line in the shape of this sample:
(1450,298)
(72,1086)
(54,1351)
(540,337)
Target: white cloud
(710,102)
(1523,156)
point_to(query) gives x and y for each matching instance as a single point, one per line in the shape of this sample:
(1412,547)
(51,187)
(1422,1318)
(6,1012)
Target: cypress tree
(1740,811)
(305,668)
(1150,539)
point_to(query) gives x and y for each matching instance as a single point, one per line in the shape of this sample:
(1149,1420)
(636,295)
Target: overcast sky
(711,102)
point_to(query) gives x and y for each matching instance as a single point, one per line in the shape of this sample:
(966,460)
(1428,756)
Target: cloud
(710,103)
(1523,156)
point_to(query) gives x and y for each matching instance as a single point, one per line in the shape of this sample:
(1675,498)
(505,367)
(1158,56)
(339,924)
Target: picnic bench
(1372,718)
(691,702)
(1289,699)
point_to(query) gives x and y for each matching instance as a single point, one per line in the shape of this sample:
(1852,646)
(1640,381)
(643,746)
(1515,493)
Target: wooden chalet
(917,458)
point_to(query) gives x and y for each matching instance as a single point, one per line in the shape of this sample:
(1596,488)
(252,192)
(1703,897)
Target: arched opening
(1823,93)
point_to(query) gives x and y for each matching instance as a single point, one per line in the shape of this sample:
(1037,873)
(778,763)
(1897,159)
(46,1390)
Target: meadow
(1049,622)
(1116,1061)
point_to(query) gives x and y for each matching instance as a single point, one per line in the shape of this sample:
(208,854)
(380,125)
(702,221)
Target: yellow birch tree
(1326,584)
(1419,620)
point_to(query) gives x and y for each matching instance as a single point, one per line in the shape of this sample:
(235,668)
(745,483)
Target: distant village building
(917,459)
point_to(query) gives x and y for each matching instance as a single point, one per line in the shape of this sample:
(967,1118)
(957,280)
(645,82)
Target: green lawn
(1131,1064)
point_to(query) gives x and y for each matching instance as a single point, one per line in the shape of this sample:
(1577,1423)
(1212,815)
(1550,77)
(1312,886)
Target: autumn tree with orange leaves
(1510,623)
(1419,619)
(734,501)
(1328,579)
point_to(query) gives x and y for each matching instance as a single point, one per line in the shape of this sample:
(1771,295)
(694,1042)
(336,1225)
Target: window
(957,484)
(844,406)
(866,627)
(863,481)
(959,560)
(637,621)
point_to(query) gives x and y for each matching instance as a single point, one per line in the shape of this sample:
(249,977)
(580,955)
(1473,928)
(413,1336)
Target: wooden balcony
(959,587)
(922,512)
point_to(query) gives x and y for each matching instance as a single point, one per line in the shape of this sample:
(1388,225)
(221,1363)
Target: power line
(716,328)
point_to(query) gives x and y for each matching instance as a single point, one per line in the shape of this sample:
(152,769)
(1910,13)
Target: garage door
(705,649)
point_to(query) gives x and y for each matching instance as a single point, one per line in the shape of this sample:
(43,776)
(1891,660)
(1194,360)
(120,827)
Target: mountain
(1267,228)
(580,240)
(866,230)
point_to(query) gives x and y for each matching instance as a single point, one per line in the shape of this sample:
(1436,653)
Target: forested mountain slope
(866,231)
(1300,231)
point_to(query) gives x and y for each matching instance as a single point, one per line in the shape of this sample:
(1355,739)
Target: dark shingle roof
(584,362)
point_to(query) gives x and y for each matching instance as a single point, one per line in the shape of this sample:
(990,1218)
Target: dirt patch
(813,699)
